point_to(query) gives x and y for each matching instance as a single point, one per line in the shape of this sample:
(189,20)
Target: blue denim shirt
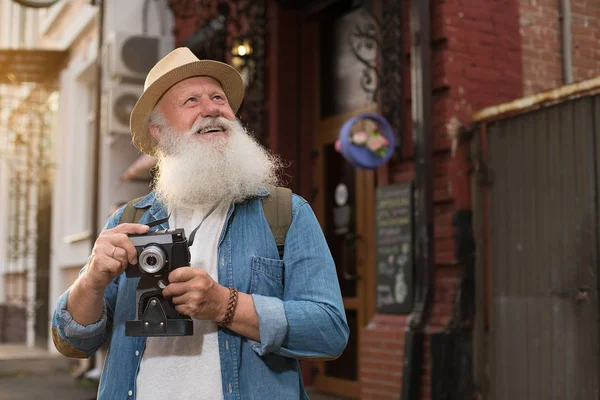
(297,299)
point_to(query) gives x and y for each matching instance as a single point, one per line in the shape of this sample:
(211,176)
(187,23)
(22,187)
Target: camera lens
(152,259)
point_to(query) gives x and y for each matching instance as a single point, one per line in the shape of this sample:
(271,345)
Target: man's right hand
(112,253)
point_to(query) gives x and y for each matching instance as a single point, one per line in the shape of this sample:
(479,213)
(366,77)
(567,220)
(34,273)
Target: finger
(184,274)
(118,266)
(175,289)
(129,229)
(120,254)
(182,309)
(122,241)
(105,264)
(179,300)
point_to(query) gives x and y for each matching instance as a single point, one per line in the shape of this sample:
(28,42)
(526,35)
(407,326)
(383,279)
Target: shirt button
(230,389)
(131,393)
(227,344)
(137,353)
(222,261)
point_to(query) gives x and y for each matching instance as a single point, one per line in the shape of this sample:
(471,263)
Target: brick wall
(381,357)
(541,36)
(585,40)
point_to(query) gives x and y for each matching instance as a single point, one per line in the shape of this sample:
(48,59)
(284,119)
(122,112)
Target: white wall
(128,16)
(72,238)
(117,152)
(4,218)
(72,26)
(71,219)
(5,23)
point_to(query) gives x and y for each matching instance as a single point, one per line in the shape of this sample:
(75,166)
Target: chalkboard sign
(394,249)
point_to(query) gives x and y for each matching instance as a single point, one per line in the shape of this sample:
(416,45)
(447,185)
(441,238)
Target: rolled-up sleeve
(271,322)
(72,334)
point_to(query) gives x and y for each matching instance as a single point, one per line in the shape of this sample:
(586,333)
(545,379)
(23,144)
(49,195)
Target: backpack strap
(277,207)
(131,214)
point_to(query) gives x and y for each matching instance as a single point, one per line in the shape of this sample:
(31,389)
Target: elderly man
(254,315)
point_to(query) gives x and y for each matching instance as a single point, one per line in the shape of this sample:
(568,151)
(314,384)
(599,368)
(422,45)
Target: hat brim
(229,78)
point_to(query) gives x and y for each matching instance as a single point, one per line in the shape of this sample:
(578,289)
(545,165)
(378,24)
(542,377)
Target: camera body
(159,253)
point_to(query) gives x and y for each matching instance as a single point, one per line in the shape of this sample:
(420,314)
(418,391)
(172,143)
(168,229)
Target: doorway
(342,196)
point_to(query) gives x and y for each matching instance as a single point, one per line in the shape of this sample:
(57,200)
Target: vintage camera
(159,253)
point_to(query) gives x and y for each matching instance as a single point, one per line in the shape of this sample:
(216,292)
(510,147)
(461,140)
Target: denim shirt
(297,300)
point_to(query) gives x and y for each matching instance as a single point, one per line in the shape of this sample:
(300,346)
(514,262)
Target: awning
(139,169)
(33,66)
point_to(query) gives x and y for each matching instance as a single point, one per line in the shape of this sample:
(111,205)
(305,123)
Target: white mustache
(203,125)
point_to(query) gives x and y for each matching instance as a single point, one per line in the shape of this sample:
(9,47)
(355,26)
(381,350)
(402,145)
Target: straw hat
(176,66)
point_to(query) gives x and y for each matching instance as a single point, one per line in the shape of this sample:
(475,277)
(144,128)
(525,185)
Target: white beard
(194,172)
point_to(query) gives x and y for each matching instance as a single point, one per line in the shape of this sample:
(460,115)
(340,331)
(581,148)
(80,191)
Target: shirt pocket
(267,277)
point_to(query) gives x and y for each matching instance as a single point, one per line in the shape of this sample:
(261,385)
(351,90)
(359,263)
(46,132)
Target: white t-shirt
(188,367)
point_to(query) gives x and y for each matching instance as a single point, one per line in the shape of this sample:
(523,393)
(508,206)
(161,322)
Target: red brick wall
(542,48)
(540,34)
(585,40)
(381,357)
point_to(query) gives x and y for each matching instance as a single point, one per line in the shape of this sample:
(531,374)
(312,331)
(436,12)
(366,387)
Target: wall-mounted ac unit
(129,57)
(119,101)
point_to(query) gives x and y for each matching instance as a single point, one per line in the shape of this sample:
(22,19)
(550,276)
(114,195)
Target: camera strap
(193,234)
(159,221)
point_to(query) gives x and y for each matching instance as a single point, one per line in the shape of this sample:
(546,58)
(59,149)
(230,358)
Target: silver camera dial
(152,259)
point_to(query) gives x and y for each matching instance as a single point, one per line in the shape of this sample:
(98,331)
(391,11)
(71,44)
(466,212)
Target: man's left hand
(196,294)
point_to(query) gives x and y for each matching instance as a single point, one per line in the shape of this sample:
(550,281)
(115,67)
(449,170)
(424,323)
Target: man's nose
(210,109)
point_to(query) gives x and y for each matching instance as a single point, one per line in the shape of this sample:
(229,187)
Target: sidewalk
(27,373)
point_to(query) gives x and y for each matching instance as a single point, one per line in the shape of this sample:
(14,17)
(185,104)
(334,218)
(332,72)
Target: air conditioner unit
(129,57)
(119,101)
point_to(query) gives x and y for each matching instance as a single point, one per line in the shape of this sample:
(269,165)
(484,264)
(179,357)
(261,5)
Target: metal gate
(541,223)
(28,104)
(26,113)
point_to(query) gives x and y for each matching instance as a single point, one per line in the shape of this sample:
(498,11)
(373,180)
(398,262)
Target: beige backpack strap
(277,207)
(131,214)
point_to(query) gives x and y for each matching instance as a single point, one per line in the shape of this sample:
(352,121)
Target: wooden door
(343,196)
(543,253)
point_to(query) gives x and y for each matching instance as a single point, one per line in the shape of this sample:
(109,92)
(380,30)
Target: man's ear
(155,132)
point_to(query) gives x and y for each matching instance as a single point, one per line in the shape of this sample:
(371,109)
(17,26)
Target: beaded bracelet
(231,306)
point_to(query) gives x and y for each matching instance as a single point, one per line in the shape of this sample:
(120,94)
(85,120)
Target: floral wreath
(366,141)
(373,140)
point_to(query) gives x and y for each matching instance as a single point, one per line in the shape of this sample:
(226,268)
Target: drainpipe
(98,125)
(422,117)
(565,31)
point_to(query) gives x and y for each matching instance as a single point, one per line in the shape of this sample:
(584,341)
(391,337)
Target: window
(78,155)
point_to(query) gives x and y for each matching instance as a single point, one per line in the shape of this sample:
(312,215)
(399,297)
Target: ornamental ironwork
(391,64)
(26,115)
(220,27)
(364,44)
(377,43)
